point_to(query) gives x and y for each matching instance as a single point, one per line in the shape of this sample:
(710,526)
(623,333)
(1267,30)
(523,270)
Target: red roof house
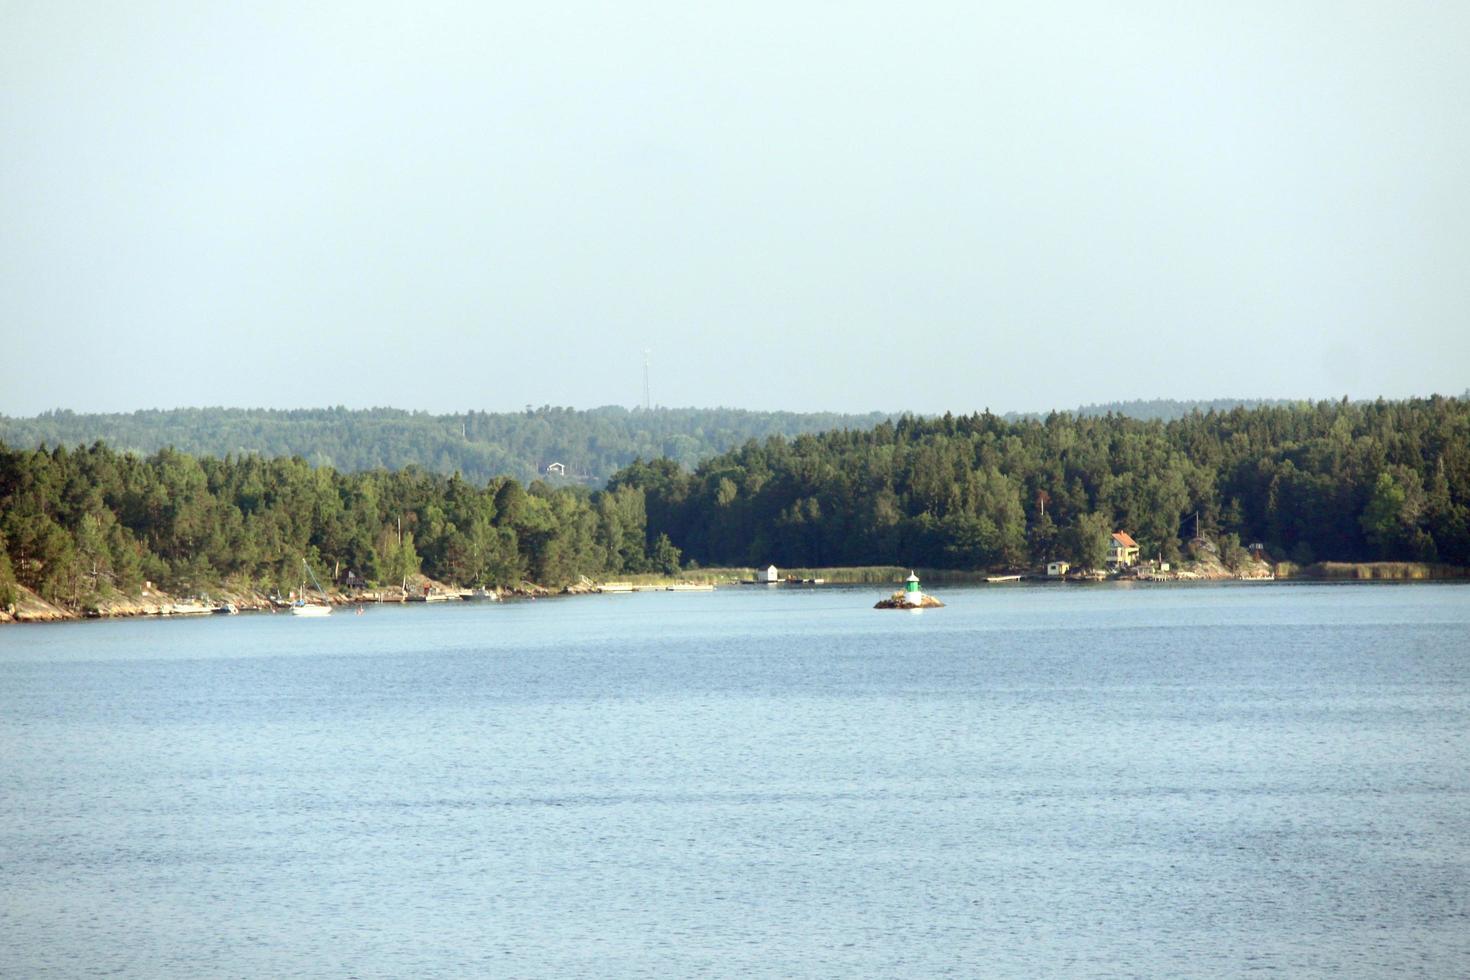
(1123,550)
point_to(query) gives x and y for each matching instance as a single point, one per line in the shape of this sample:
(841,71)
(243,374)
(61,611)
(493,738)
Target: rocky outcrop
(899,600)
(31,608)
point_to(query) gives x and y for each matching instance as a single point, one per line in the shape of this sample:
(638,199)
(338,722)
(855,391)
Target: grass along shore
(1379,571)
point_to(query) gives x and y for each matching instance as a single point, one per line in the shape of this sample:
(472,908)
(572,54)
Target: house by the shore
(1122,550)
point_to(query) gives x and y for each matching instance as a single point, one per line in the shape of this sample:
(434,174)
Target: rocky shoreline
(31,608)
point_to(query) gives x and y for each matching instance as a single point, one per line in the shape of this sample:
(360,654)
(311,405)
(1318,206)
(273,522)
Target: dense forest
(480,446)
(1338,481)
(78,524)
(1331,481)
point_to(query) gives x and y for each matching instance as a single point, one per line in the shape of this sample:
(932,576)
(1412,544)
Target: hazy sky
(843,206)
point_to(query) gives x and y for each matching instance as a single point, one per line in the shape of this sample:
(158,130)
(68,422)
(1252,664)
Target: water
(1063,781)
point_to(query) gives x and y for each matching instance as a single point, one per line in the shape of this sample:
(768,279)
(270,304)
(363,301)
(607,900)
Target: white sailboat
(303,608)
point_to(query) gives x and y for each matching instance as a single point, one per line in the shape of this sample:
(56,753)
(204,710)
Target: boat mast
(313,581)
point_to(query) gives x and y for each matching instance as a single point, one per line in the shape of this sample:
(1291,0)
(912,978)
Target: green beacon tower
(911,593)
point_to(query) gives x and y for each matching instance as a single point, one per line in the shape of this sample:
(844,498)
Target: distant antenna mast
(647,398)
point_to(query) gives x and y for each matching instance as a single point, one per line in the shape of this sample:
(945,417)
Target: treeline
(591,445)
(1330,481)
(1162,409)
(78,524)
(1338,481)
(480,446)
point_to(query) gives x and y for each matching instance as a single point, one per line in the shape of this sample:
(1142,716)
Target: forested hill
(85,525)
(590,444)
(1330,481)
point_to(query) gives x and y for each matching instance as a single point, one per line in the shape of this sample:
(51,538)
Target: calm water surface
(1062,781)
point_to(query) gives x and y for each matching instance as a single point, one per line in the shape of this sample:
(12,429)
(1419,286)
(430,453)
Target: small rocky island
(910,597)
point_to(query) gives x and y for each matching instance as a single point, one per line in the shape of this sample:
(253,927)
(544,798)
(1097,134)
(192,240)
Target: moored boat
(303,608)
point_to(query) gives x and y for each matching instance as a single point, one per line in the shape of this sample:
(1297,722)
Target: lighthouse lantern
(911,593)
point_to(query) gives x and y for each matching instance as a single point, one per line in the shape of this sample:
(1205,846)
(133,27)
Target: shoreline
(156,604)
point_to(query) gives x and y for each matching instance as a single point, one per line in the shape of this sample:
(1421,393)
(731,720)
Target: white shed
(769,575)
(1056,569)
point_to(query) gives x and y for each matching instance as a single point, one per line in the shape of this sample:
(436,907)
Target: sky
(802,206)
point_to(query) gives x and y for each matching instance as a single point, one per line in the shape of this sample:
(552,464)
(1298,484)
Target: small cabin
(1122,550)
(557,469)
(1057,569)
(768,576)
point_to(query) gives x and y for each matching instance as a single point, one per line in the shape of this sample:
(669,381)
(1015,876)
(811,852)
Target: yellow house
(1122,550)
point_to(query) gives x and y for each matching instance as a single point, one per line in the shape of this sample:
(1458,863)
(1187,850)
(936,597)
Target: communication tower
(647,398)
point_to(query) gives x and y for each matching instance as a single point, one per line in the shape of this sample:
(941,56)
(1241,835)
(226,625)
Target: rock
(31,608)
(899,601)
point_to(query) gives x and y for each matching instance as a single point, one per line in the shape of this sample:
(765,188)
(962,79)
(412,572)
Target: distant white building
(769,575)
(560,469)
(1056,569)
